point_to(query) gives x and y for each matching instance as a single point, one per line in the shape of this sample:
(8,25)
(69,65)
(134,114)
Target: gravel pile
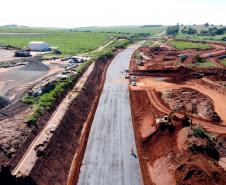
(3,102)
(35,65)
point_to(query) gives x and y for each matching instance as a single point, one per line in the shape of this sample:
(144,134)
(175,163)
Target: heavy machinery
(133,80)
(127,76)
(168,121)
(133,83)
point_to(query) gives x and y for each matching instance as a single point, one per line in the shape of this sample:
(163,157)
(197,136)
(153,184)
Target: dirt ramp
(35,65)
(3,102)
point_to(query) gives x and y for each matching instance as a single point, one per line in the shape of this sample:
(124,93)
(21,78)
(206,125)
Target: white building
(38,46)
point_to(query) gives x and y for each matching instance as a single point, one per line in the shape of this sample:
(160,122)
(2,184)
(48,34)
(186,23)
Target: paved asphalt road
(108,159)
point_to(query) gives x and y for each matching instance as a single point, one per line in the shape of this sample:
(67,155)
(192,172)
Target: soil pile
(3,102)
(35,65)
(199,104)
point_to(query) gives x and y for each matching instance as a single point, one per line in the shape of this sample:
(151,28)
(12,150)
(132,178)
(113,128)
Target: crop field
(188,45)
(125,29)
(68,42)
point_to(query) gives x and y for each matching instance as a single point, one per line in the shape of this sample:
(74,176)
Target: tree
(206,24)
(172,30)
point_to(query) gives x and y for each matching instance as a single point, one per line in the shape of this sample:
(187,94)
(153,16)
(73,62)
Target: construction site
(179,117)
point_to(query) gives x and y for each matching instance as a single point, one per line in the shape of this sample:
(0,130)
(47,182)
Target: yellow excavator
(167,119)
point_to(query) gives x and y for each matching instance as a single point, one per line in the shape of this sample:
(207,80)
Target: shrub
(198,59)
(172,30)
(199,132)
(183,58)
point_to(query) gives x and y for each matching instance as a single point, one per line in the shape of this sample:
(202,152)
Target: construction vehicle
(127,76)
(132,78)
(167,120)
(133,83)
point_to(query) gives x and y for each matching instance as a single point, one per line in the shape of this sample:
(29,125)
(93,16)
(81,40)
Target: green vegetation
(4,29)
(202,63)
(200,132)
(206,64)
(109,50)
(188,45)
(183,58)
(189,30)
(213,31)
(46,100)
(69,43)
(224,62)
(202,32)
(172,30)
(206,143)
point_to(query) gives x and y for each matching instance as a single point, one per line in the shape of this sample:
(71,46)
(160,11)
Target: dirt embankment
(62,147)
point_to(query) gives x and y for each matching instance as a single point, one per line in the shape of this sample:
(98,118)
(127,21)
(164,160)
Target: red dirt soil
(164,83)
(161,160)
(158,58)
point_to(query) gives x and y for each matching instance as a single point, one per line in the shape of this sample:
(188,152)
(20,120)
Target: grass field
(188,45)
(68,42)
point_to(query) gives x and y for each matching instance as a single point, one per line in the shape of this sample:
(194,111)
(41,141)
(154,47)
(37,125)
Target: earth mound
(35,65)
(200,104)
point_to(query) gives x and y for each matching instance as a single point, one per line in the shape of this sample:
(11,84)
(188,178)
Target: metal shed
(38,46)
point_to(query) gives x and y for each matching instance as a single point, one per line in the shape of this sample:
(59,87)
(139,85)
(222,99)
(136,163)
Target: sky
(80,13)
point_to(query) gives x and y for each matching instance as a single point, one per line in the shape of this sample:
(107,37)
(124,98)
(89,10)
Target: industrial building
(39,46)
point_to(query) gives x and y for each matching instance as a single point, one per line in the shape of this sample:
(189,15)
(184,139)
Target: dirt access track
(176,154)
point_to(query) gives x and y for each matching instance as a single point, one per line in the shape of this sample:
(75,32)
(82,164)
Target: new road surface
(109,158)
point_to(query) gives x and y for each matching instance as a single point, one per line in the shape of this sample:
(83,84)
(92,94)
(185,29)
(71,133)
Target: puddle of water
(160,79)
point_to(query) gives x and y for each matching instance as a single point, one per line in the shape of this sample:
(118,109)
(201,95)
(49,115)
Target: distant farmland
(71,41)
(125,29)
(68,42)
